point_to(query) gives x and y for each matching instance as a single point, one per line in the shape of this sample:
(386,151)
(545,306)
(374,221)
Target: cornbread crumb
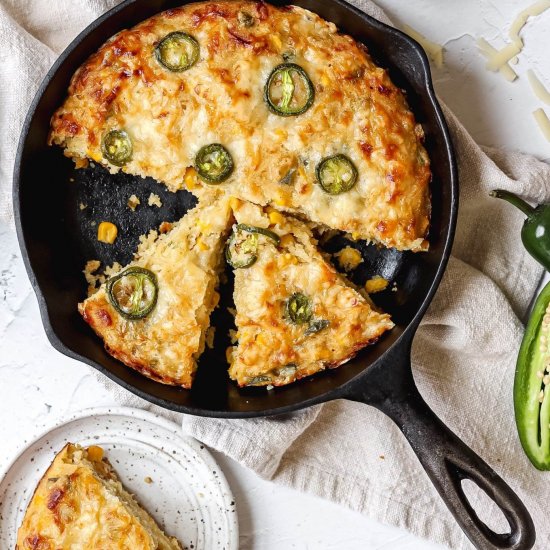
(82,206)
(148,480)
(210,333)
(165,227)
(112,270)
(133,202)
(89,269)
(94,279)
(154,200)
(80,162)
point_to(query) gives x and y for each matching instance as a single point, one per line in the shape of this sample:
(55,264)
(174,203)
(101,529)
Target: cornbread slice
(165,343)
(356,111)
(80,504)
(295,314)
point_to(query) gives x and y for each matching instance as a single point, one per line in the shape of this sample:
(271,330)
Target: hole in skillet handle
(481,484)
(487,511)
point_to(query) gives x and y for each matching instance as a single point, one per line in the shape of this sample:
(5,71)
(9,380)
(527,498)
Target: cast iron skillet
(57,237)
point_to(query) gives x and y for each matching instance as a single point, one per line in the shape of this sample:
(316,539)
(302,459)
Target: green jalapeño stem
(535,233)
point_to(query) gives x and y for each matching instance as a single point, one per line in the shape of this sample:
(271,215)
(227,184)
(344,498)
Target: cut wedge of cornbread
(296,315)
(154,314)
(80,504)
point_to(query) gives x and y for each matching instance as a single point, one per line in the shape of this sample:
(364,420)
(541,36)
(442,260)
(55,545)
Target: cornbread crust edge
(357,111)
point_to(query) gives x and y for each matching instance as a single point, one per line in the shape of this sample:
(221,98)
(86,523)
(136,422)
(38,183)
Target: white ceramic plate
(188,496)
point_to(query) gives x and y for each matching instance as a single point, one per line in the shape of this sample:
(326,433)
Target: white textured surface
(38,385)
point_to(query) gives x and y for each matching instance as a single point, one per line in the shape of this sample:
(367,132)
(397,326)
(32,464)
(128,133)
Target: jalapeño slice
(242,247)
(133,293)
(288,90)
(177,51)
(214,163)
(298,309)
(336,174)
(116,147)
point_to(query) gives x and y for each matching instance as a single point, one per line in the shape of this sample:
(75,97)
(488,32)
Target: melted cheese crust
(166,343)
(272,350)
(80,504)
(357,111)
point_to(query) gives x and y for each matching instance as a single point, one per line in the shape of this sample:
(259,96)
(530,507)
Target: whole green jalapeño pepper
(532,385)
(535,233)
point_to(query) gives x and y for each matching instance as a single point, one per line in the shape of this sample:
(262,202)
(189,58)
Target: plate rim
(147,416)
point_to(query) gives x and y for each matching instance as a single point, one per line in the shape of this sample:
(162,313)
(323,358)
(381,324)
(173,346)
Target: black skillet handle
(446,459)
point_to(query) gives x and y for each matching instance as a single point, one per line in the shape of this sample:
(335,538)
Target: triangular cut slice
(154,314)
(295,314)
(80,503)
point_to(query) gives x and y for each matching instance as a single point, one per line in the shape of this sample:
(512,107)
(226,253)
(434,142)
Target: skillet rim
(334,393)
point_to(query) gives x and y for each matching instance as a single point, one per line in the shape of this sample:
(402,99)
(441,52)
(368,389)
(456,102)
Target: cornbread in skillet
(310,124)
(295,314)
(80,504)
(154,314)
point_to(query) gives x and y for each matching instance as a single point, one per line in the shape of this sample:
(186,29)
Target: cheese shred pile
(498,61)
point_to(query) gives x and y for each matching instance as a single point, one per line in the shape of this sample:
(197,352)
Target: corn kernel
(287,259)
(202,245)
(376,284)
(190,178)
(95,453)
(275,217)
(287,240)
(94,155)
(276,41)
(234,203)
(355,236)
(107,232)
(349,258)
(281,201)
(261,339)
(325,80)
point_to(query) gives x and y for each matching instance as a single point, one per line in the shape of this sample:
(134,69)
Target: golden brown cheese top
(71,508)
(165,344)
(272,349)
(169,116)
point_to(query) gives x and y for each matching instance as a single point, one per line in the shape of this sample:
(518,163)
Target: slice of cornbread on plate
(296,315)
(81,504)
(153,315)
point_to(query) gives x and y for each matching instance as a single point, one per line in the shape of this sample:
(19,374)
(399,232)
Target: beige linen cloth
(463,355)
